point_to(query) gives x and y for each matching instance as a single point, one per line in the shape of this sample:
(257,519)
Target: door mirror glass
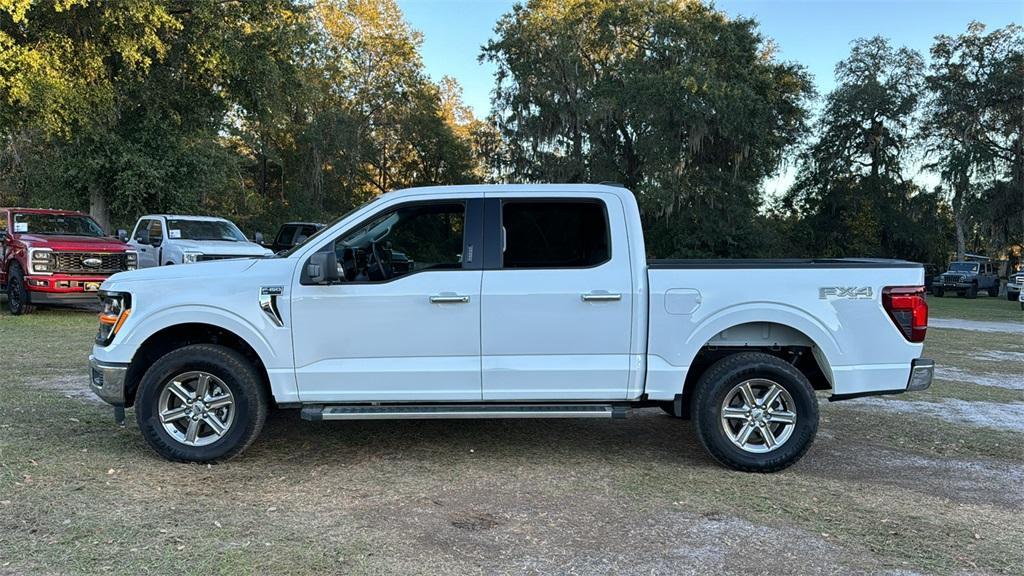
(258,237)
(122,234)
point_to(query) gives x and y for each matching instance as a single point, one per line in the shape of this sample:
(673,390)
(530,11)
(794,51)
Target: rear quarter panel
(855,341)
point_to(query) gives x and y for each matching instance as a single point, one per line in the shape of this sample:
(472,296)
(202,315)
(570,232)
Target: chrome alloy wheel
(196,408)
(758,415)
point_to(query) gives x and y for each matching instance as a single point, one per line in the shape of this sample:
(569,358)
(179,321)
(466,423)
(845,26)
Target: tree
(686,107)
(850,192)
(975,121)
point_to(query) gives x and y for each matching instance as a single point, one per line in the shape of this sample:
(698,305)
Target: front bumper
(62,288)
(922,371)
(107,381)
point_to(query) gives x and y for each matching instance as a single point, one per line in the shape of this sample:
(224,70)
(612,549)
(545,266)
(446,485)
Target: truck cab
(56,257)
(512,301)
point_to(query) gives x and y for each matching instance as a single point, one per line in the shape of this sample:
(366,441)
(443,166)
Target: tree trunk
(959,217)
(99,210)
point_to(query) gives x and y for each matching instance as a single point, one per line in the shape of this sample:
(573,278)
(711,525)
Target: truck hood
(161,274)
(73,243)
(222,248)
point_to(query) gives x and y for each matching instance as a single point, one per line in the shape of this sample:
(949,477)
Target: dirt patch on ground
(75,387)
(1009,381)
(977,325)
(995,415)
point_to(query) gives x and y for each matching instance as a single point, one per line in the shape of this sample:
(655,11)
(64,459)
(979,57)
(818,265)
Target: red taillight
(907,308)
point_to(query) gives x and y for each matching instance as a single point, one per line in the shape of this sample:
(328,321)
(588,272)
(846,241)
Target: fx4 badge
(852,292)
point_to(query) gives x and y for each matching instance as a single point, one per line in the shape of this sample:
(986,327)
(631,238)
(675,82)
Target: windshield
(69,225)
(204,230)
(963,267)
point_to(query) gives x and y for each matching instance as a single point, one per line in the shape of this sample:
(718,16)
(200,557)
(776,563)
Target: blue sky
(816,33)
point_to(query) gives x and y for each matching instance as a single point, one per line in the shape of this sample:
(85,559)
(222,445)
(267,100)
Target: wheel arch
(789,335)
(176,336)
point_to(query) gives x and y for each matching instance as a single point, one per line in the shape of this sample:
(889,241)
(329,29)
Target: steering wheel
(381,267)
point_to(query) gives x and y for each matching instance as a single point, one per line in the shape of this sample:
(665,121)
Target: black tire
(938,292)
(972,292)
(721,378)
(1012,296)
(19,301)
(235,371)
(993,291)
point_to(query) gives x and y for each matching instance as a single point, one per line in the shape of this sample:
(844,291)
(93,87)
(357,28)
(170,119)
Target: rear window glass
(555,234)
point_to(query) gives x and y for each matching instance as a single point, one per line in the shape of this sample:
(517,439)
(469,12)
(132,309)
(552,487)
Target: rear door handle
(601,297)
(449,299)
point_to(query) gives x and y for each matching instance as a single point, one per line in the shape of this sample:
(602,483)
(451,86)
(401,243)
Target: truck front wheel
(201,403)
(755,412)
(18,299)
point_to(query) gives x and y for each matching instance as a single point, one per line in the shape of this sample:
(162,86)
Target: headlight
(190,257)
(41,260)
(131,260)
(116,306)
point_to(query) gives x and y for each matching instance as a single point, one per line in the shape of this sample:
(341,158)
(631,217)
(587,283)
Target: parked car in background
(967,279)
(164,239)
(291,234)
(1014,286)
(56,257)
(515,301)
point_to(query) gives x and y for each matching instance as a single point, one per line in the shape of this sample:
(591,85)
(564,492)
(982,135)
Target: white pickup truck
(511,301)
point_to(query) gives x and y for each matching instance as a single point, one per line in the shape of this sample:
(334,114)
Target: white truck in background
(511,301)
(166,239)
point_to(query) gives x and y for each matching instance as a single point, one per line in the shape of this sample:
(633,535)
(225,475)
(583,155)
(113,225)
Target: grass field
(922,483)
(984,308)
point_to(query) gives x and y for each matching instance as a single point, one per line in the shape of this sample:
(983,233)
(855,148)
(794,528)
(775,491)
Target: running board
(461,411)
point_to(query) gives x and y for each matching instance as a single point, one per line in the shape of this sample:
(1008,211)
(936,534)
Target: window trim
(472,230)
(495,257)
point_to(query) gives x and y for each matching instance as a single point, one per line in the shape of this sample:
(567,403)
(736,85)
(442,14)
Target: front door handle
(601,297)
(449,299)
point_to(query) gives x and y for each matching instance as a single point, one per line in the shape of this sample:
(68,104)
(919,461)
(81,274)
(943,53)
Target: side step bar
(461,411)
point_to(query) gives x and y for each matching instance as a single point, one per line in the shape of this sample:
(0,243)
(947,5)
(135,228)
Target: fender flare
(815,330)
(200,314)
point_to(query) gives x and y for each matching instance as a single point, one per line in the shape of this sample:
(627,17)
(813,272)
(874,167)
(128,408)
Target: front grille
(206,257)
(952,279)
(75,262)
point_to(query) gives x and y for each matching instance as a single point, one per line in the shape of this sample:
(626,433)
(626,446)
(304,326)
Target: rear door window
(554,234)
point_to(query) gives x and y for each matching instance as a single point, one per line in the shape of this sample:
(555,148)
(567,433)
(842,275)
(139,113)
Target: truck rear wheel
(19,301)
(755,412)
(201,403)
(993,291)
(972,292)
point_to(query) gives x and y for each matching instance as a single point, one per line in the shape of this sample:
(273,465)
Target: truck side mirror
(122,234)
(258,238)
(321,268)
(154,241)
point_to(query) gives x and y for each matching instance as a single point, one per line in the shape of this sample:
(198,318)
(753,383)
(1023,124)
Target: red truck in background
(56,257)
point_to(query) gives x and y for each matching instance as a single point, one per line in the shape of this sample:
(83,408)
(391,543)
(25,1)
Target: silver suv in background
(163,239)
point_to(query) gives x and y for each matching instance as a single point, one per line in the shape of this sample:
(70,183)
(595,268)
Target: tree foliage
(272,110)
(679,103)
(975,132)
(256,110)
